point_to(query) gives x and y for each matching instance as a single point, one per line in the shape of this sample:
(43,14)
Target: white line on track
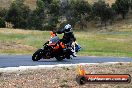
(23,68)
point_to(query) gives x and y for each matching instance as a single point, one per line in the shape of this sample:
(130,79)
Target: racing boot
(74,53)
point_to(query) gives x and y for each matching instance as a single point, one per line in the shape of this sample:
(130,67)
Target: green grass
(93,44)
(106,44)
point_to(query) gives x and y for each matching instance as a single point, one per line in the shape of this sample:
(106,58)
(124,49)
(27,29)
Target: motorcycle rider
(68,37)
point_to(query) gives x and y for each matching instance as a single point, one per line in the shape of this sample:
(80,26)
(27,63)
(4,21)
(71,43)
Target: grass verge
(17,41)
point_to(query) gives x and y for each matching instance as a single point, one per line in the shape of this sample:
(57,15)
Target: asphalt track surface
(26,60)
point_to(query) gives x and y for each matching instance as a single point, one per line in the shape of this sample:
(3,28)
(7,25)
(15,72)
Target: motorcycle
(55,48)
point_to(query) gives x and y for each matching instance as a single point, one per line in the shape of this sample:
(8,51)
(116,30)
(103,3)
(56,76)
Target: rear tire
(59,58)
(37,55)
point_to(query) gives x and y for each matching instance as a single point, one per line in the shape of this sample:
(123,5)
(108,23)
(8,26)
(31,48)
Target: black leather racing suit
(68,37)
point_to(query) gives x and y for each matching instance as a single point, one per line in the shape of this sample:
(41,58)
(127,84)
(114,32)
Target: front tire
(37,55)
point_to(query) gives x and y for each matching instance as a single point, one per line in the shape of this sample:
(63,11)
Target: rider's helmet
(68,28)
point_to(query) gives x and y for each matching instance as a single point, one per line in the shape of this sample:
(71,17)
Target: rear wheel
(59,58)
(37,55)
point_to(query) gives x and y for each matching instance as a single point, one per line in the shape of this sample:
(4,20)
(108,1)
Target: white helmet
(68,28)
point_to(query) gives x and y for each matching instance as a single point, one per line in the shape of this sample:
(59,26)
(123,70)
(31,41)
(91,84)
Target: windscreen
(54,39)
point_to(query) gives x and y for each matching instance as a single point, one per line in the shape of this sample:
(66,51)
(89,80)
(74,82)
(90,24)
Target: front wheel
(37,55)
